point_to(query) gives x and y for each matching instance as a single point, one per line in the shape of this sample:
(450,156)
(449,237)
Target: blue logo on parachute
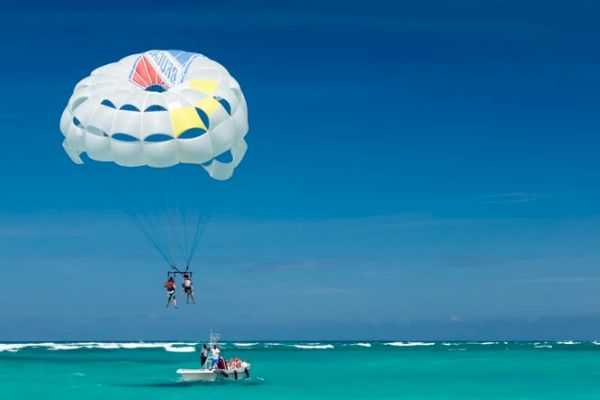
(161,69)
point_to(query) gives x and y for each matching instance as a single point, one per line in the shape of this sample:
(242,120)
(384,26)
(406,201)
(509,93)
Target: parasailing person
(170,286)
(188,288)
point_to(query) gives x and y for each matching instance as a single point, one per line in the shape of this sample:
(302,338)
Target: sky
(416,170)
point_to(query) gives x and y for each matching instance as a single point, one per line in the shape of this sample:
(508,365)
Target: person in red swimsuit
(170,286)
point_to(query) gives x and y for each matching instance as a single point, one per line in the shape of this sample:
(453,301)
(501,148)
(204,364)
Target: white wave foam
(450,344)
(185,349)
(142,345)
(482,343)
(96,345)
(313,346)
(409,344)
(568,342)
(64,347)
(245,344)
(14,347)
(542,346)
(361,344)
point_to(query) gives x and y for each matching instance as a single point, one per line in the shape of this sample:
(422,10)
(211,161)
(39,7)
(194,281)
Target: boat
(237,370)
(205,374)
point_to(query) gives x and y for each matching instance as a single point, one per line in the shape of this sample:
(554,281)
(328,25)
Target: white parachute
(159,108)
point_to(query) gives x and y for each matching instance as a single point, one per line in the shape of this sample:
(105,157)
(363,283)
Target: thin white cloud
(557,279)
(513,197)
(477,262)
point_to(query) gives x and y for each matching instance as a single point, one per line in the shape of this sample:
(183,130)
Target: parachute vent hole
(155,108)
(191,133)
(158,137)
(202,116)
(108,103)
(155,88)
(225,104)
(78,102)
(124,137)
(225,157)
(129,107)
(96,131)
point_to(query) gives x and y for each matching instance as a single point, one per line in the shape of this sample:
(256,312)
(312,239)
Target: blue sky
(415,170)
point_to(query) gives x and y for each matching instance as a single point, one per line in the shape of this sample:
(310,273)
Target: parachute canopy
(158,109)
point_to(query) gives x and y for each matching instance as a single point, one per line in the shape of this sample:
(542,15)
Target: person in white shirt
(188,289)
(215,355)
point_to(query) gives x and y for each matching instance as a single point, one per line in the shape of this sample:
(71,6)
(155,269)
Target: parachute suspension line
(175,270)
(173,229)
(189,226)
(154,239)
(185,221)
(175,246)
(200,223)
(181,211)
(153,225)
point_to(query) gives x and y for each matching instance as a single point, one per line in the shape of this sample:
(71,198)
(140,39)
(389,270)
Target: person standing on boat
(203,355)
(215,355)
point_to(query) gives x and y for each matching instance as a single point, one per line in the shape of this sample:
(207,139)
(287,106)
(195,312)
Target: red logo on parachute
(146,76)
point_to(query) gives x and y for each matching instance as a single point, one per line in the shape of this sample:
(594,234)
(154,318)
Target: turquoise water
(332,370)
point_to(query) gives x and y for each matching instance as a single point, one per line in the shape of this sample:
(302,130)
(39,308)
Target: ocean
(305,370)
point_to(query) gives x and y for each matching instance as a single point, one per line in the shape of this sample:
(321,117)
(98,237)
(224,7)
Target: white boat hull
(208,375)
